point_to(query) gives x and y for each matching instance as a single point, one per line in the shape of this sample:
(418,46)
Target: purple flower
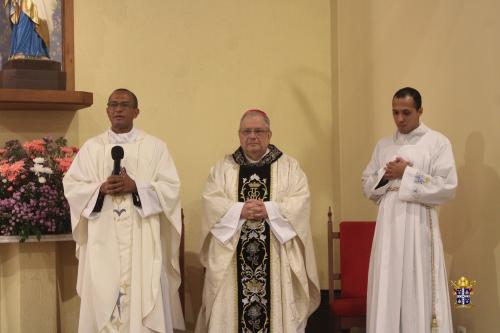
(34,203)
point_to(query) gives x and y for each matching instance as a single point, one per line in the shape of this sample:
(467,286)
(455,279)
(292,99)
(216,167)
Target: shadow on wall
(471,232)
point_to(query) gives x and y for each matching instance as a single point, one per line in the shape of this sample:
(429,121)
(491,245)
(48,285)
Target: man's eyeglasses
(123,105)
(256,131)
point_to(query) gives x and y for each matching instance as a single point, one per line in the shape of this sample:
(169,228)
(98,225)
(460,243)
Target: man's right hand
(118,184)
(112,185)
(254,210)
(395,169)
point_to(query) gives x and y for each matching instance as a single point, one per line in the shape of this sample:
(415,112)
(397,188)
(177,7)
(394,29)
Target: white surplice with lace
(400,279)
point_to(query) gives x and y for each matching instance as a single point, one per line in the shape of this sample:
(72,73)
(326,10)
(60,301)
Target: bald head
(256,113)
(255,133)
(135,102)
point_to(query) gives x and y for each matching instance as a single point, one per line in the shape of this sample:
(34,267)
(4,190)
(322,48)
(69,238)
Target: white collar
(256,161)
(120,138)
(413,136)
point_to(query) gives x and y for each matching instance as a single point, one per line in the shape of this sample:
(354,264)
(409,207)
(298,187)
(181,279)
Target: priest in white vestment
(410,174)
(257,250)
(127,225)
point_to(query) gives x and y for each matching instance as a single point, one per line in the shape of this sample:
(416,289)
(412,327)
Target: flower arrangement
(32,198)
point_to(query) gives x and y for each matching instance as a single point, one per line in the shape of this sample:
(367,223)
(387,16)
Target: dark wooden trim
(331,274)
(68,52)
(53,100)
(44,100)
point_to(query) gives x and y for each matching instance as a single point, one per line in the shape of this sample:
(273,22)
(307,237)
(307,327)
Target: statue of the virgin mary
(30,31)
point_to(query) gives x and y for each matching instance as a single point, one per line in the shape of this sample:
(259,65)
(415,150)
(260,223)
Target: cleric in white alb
(127,228)
(410,174)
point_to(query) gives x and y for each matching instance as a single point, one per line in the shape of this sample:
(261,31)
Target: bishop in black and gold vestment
(257,249)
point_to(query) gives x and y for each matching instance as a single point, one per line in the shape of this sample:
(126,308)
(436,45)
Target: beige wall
(449,50)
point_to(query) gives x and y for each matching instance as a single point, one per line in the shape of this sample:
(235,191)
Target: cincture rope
(434,322)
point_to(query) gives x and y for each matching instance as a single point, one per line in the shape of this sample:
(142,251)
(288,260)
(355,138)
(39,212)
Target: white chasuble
(407,281)
(294,287)
(128,270)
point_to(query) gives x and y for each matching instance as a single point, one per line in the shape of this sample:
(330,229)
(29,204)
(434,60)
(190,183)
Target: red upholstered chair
(349,310)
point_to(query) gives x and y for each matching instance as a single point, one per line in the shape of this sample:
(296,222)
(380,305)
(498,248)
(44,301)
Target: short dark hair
(413,93)
(131,94)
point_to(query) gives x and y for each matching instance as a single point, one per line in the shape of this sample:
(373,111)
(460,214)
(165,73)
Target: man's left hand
(129,185)
(258,210)
(119,185)
(395,169)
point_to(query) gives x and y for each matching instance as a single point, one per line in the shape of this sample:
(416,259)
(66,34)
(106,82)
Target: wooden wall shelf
(44,100)
(33,239)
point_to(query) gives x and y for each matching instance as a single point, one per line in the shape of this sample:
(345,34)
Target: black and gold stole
(253,252)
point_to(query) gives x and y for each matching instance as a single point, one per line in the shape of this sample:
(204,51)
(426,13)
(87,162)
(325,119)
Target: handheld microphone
(117,155)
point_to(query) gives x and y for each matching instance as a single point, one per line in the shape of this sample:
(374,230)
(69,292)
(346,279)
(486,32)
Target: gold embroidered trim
(434,322)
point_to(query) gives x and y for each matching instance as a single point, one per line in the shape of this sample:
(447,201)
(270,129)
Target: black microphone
(117,155)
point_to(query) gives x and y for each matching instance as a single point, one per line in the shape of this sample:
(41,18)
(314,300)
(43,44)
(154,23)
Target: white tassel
(434,325)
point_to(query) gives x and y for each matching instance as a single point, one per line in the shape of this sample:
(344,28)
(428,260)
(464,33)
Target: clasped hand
(118,184)
(254,209)
(395,169)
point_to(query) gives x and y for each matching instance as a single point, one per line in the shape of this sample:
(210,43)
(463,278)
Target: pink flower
(32,187)
(14,170)
(37,145)
(67,150)
(11,171)
(16,167)
(64,163)
(4,168)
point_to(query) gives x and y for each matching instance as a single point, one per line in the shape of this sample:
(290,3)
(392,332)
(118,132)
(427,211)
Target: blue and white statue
(30,31)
